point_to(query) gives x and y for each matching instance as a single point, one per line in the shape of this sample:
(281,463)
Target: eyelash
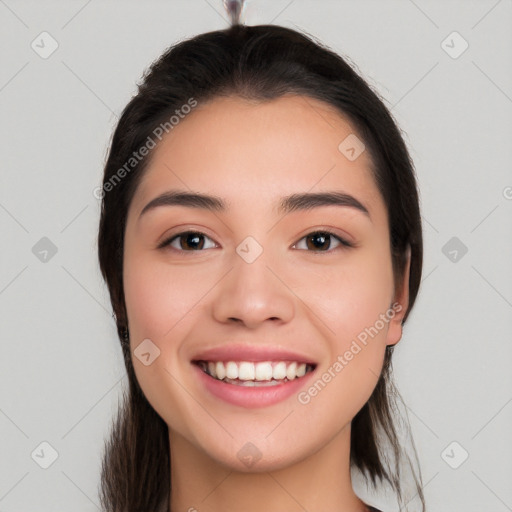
(344,244)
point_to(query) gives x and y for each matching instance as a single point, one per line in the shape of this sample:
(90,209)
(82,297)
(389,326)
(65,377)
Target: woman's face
(258,280)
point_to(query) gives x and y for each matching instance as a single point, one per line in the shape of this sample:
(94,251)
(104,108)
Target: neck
(317,483)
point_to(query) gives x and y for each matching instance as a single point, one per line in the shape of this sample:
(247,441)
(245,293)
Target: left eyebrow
(293,202)
(307,201)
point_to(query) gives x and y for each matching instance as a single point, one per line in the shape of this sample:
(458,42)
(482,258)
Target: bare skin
(294,295)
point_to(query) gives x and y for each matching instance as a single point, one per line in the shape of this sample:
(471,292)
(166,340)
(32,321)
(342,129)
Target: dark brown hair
(256,63)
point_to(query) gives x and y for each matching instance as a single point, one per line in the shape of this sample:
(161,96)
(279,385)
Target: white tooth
(249,383)
(279,370)
(246,371)
(220,370)
(211,369)
(231,370)
(301,370)
(291,371)
(263,371)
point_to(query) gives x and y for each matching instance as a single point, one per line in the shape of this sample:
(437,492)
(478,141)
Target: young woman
(260,237)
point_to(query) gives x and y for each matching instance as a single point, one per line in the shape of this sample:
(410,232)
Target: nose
(252,294)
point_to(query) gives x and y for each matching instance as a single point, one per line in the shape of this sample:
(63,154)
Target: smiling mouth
(255,374)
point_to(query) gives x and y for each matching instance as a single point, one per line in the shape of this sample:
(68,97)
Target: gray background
(60,367)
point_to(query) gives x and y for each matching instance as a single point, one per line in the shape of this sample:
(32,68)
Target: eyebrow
(293,202)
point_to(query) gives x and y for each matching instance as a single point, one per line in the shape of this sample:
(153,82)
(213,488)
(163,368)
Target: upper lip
(251,353)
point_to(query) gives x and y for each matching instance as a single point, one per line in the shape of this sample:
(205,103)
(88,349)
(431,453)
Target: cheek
(352,304)
(162,305)
(159,299)
(352,297)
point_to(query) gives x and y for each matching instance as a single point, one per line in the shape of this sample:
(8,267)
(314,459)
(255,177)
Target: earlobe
(400,304)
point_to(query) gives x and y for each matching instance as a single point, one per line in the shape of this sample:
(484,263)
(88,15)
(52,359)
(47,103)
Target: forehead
(242,150)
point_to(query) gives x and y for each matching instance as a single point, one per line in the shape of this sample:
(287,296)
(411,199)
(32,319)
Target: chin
(256,454)
(249,461)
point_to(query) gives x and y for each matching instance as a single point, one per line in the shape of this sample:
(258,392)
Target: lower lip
(251,397)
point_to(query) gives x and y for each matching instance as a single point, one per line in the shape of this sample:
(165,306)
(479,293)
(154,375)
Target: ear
(400,304)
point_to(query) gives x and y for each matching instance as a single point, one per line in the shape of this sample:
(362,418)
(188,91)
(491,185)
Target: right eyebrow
(190,199)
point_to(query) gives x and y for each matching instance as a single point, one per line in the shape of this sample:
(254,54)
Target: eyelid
(332,230)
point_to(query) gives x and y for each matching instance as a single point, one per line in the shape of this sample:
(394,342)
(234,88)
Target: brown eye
(188,241)
(192,241)
(321,241)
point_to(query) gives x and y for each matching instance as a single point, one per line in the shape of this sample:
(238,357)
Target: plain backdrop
(443,68)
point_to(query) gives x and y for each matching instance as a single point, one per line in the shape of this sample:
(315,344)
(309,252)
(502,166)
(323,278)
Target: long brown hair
(257,63)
